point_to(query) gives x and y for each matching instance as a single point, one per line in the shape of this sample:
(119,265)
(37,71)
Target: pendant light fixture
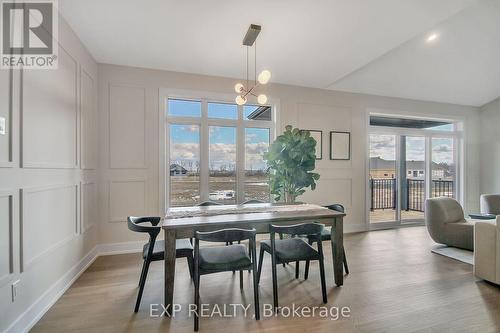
(263,78)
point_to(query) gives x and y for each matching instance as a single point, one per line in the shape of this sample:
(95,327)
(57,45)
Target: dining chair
(215,259)
(155,250)
(326,236)
(292,250)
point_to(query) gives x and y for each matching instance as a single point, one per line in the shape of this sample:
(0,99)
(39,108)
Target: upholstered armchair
(487,250)
(490,204)
(445,221)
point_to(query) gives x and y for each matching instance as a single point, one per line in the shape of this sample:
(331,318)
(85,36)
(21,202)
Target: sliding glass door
(407,166)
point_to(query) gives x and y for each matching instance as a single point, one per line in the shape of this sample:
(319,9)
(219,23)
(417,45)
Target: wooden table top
(221,218)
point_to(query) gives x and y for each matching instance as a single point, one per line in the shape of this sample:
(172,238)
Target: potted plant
(291,159)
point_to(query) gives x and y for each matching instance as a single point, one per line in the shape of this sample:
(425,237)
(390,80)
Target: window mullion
(204,153)
(240,157)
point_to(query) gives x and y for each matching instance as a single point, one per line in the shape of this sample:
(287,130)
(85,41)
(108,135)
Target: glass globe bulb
(240,100)
(264,76)
(238,87)
(262,99)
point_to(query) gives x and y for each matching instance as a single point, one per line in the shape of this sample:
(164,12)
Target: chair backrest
(209,203)
(226,235)
(338,207)
(305,229)
(490,204)
(253,201)
(134,224)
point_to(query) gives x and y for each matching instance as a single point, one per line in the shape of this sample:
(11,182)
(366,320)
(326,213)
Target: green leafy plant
(291,159)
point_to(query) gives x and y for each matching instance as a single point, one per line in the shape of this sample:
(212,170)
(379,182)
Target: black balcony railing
(383,193)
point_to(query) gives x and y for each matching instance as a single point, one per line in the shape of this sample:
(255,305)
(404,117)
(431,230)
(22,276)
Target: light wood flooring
(395,285)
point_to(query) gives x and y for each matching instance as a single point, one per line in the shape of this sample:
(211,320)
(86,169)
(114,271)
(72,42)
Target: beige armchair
(445,221)
(490,204)
(487,250)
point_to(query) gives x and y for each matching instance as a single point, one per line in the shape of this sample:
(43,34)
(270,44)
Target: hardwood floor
(396,285)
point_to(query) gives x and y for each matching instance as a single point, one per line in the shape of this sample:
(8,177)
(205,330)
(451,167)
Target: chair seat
(293,249)
(325,235)
(224,258)
(183,249)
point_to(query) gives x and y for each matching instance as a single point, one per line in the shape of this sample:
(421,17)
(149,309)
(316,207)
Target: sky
(184,139)
(384,146)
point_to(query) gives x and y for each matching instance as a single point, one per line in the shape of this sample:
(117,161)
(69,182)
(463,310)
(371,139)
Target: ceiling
(375,47)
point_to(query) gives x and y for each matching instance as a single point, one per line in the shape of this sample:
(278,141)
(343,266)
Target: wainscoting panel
(49,218)
(50,116)
(329,191)
(88,121)
(88,206)
(6,236)
(5,119)
(127,135)
(126,198)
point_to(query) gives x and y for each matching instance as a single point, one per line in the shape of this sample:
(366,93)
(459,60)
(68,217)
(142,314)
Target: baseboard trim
(350,228)
(120,248)
(35,312)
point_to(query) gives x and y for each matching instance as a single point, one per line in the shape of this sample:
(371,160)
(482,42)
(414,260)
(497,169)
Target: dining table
(183,222)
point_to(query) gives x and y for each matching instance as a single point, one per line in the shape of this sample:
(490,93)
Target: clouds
(442,152)
(190,128)
(220,154)
(254,155)
(185,151)
(442,149)
(384,146)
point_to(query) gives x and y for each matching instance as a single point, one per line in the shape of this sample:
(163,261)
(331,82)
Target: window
(215,151)
(184,164)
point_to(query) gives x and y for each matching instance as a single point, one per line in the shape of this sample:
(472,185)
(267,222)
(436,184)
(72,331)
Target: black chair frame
(225,236)
(134,224)
(338,208)
(309,229)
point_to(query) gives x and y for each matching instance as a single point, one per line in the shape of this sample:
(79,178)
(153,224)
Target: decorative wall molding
(9,196)
(26,163)
(85,214)
(331,190)
(85,143)
(140,164)
(112,217)
(9,125)
(27,262)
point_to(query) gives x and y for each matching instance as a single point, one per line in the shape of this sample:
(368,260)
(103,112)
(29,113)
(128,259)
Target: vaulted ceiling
(376,47)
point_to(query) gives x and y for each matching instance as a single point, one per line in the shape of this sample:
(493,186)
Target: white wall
(128,111)
(48,179)
(490,147)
